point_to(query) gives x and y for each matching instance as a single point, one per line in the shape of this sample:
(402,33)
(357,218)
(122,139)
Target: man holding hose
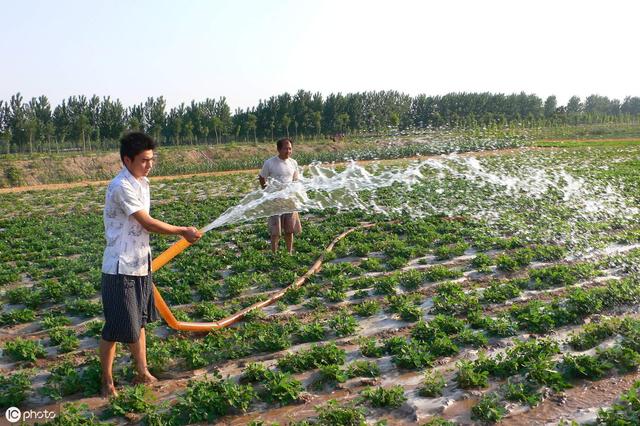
(127,289)
(284,169)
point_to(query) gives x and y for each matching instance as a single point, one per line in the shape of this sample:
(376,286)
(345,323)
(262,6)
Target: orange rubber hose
(182,244)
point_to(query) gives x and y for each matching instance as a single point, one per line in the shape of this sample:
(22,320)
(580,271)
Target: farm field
(489,287)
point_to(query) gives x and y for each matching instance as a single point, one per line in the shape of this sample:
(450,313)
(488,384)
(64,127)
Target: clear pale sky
(250,50)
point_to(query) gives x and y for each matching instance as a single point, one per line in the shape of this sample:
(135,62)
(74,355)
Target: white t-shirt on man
(284,171)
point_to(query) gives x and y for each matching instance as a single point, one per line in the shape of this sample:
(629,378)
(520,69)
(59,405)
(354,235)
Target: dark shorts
(128,306)
(288,223)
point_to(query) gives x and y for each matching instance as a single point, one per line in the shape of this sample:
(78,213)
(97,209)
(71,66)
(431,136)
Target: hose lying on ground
(179,246)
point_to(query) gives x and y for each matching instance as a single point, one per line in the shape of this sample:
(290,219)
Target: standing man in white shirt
(127,289)
(284,169)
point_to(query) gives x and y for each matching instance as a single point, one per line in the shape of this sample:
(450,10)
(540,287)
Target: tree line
(82,123)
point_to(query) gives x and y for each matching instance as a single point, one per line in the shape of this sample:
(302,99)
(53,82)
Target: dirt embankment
(41,169)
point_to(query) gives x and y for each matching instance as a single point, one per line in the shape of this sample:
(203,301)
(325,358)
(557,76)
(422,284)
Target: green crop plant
(51,320)
(521,392)
(451,299)
(482,263)
(488,409)
(412,355)
(21,349)
(312,332)
(209,399)
(385,285)
(366,308)
(468,337)
(14,388)
(31,298)
(411,280)
(85,308)
(64,380)
(447,324)
(593,333)
(623,358)
(498,292)
(361,368)
(451,251)
(343,324)
(281,388)
(131,399)
(76,415)
(334,414)
(468,377)
(391,397)
(369,348)
(438,421)
(65,338)
(443,346)
(254,372)
(316,356)
(433,384)
(624,412)
(372,264)
(17,316)
(210,311)
(330,375)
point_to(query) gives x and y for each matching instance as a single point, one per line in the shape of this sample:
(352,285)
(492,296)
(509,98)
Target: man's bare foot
(145,378)
(109,390)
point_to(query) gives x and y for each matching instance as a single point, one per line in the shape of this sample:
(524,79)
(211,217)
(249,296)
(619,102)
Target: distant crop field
(490,288)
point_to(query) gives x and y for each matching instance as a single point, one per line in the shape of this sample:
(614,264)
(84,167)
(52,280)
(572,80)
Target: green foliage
(500,292)
(584,367)
(521,392)
(343,324)
(592,334)
(451,299)
(333,414)
(468,377)
(281,388)
(330,374)
(85,308)
(488,409)
(75,415)
(64,337)
(64,380)
(369,348)
(362,368)
(482,262)
(366,308)
(14,388)
(412,355)
(622,413)
(21,349)
(254,372)
(433,384)
(131,399)
(208,399)
(316,356)
(392,397)
(52,320)
(312,332)
(209,311)
(17,316)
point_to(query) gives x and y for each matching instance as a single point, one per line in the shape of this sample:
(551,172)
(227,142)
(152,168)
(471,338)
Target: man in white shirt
(127,289)
(284,169)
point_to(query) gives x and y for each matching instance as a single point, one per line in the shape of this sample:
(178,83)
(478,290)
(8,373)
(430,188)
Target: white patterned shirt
(127,251)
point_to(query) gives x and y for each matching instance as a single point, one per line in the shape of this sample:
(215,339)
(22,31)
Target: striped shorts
(128,306)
